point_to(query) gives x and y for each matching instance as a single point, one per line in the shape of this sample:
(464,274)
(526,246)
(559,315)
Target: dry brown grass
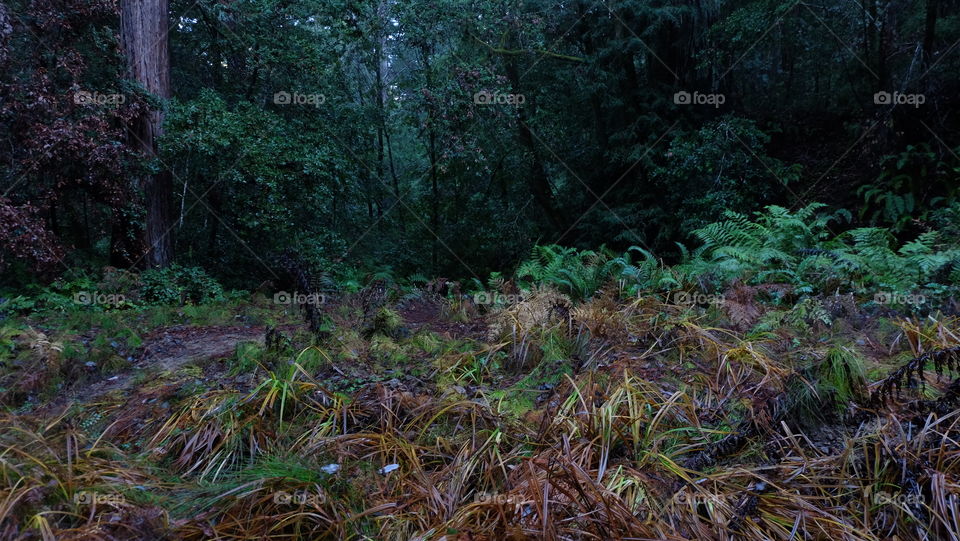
(712,450)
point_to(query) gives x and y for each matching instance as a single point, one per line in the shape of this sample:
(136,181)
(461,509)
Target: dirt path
(166,350)
(420,314)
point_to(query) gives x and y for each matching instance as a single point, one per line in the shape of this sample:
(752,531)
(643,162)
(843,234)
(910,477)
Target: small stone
(389,468)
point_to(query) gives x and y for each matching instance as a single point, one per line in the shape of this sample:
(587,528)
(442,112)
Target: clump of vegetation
(798,248)
(387,322)
(384,349)
(179,285)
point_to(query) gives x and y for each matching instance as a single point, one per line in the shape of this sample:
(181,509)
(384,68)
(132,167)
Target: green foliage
(246,357)
(768,247)
(179,285)
(579,274)
(385,350)
(842,375)
(7,344)
(646,274)
(387,322)
(267,178)
(911,185)
(796,248)
(808,310)
(830,386)
(799,248)
(79,292)
(715,169)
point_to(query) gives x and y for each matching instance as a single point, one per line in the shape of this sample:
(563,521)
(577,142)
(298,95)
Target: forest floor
(435,418)
(166,350)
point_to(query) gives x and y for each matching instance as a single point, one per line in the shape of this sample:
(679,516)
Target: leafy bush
(911,184)
(715,168)
(179,285)
(61,295)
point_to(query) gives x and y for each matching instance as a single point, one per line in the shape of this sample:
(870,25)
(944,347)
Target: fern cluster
(776,245)
(579,274)
(799,248)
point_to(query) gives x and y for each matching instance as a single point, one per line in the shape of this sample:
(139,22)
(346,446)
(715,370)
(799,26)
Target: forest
(479,270)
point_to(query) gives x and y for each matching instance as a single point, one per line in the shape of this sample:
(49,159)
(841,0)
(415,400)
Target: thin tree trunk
(396,181)
(383,134)
(432,155)
(929,32)
(381,124)
(216,205)
(539,183)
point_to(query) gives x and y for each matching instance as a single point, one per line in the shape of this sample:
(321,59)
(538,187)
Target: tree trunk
(539,183)
(6,30)
(929,32)
(383,133)
(425,51)
(144,31)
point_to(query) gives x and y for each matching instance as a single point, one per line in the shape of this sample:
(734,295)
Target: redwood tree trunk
(143,30)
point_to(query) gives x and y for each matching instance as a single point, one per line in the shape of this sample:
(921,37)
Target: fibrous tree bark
(143,31)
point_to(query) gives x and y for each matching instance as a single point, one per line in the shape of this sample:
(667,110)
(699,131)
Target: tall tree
(144,31)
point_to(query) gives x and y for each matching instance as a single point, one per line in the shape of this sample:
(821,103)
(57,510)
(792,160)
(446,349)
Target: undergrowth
(760,389)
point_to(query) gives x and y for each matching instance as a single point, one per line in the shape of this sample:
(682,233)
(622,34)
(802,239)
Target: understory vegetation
(779,382)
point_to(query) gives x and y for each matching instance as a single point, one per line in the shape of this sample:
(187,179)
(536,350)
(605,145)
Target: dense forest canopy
(448,137)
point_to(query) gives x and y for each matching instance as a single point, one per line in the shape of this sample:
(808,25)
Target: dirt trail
(170,348)
(421,314)
(166,350)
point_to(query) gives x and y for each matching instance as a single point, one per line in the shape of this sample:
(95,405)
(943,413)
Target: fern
(417,278)
(578,274)
(775,246)
(797,248)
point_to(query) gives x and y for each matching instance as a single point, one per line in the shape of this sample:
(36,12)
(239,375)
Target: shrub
(179,285)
